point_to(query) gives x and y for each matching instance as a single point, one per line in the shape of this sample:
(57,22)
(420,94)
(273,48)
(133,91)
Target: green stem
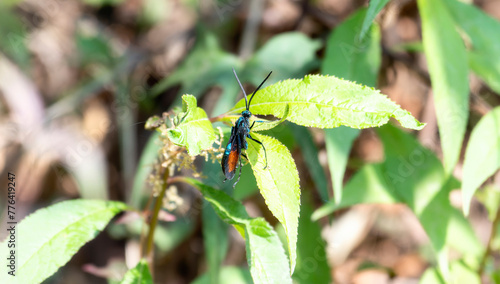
(488,251)
(154,220)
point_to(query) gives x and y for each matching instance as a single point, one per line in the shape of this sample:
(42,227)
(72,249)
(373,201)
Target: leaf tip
(466,207)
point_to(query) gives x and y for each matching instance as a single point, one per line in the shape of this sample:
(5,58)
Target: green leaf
(327,102)
(432,276)
(153,122)
(51,236)
(419,180)
(139,274)
(288,55)
(265,254)
(13,42)
(271,124)
(415,46)
(169,236)
(482,30)
(361,63)
(144,168)
(368,185)
(495,276)
(205,66)
(374,7)
(215,241)
(310,155)
(98,3)
(260,124)
(155,11)
(482,157)
(312,264)
(229,275)
(10,3)
(447,60)
(348,57)
(194,131)
(94,49)
(278,184)
(338,146)
(413,175)
(489,196)
(460,273)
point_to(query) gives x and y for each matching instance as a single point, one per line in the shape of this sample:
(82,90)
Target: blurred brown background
(76,86)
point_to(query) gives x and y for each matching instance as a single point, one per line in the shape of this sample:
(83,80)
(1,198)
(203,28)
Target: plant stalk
(154,221)
(488,251)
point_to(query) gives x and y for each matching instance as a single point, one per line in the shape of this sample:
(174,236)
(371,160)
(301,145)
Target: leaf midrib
(320,104)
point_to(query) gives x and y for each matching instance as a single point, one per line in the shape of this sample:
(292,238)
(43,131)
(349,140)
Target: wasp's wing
(231,156)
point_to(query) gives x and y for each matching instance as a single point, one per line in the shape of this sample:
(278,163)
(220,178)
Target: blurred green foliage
(457,39)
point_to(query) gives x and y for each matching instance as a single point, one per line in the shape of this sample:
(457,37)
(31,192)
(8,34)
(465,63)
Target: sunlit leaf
(194,131)
(482,30)
(327,102)
(355,58)
(265,254)
(482,157)
(447,60)
(460,273)
(489,196)
(139,274)
(278,184)
(155,11)
(52,235)
(288,55)
(432,276)
(271,124)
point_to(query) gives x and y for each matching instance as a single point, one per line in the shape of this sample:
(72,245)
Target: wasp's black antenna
(257,90)
(241,86)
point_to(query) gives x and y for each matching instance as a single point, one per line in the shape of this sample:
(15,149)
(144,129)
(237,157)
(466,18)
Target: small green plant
(315,101)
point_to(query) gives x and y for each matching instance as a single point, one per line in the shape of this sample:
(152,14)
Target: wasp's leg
(245,156)
(234,185)
(260,121)
(265,153)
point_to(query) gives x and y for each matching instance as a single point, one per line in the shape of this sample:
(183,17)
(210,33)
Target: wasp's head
(246,113)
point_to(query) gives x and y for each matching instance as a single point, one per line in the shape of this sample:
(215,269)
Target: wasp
(238,139)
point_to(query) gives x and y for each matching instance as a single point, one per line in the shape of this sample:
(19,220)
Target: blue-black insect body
(238,139)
